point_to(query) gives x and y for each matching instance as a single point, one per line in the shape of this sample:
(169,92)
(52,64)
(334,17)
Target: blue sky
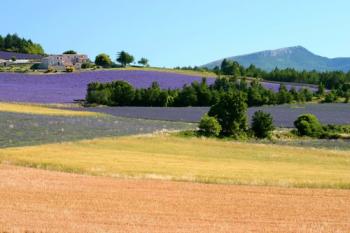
(180,32)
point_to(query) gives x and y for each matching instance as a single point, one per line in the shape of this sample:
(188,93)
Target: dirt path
(42,201)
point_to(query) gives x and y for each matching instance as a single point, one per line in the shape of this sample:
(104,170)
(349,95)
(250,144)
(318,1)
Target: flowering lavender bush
(65,88)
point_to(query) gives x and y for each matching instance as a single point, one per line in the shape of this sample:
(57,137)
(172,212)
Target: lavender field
(284,115)
(66,88)
(8,55)
(19,129)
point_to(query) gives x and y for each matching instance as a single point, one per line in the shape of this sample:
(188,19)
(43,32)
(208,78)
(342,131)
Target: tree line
(13,43)
(329,79)
(121,93)
(123,58)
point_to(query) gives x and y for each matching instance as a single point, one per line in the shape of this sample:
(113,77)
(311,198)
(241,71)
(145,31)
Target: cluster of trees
(337,81)
(228,118)
(13,43)
(196,94)
(123,58)
(195,68)
(330,79)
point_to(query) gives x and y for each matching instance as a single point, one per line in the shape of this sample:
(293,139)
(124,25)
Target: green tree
(231,113)
(321,89)
(70,52)
(103,60)
(122,93)
(124,58)
(187,97)
(230,68)
(209,126)
(308,125)
(262,124)
(143,61)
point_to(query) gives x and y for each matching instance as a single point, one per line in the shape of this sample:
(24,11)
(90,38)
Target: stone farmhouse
(60,62)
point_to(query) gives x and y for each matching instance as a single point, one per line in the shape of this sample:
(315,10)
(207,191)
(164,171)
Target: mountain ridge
(296,57)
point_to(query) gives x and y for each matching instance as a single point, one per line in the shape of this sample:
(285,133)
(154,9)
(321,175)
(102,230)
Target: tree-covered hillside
(297,58)
(13,43)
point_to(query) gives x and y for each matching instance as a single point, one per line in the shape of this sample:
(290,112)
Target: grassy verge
(190,159)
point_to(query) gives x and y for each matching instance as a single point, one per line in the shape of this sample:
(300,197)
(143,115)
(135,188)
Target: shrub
(308,125)
(262,124)
(70,69)
(331,97)
(209,126)
(35,66)
(50,70)
(87,65)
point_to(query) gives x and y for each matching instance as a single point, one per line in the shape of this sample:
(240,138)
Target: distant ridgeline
(13,43)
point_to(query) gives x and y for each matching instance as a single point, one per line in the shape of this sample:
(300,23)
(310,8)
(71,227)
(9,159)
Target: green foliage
(231,113)
(230,68)
(70,69)
(308,125)
(117,93)
(330,97)
(321,89)
(87,65)
(103,60)
(262,124)
(143,61)
(13,43)
(13,58)
(70,52)
(35,66)
(209,126)
(202,94)
(124,58)
(50,70)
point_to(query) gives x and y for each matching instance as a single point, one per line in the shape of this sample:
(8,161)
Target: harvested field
(190,159)
(42,201)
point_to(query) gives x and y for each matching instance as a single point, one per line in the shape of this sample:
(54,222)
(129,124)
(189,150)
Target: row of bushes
(120,93)
(309,125)
(228,117)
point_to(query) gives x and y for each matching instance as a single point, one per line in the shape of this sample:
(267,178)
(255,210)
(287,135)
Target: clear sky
(180,32)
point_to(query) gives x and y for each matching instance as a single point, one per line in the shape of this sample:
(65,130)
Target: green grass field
(190,159)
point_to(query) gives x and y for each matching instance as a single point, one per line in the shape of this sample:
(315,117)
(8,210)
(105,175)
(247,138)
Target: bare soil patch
(34,200)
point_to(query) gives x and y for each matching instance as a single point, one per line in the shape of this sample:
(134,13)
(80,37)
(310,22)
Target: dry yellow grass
(41,110)
(190,159)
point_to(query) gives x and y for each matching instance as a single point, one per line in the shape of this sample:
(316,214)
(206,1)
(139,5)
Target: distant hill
(296,57)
